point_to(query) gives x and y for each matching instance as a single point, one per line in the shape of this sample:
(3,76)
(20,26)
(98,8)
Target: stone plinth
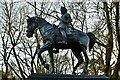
(36,76)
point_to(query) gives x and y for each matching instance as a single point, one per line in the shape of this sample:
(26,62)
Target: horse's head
(31,26)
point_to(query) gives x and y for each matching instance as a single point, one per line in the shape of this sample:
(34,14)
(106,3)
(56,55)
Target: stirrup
(62,42)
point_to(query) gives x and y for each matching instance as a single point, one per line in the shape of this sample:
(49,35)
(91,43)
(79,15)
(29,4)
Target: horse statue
(77,42)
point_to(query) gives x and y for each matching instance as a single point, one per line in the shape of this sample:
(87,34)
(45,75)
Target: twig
(42,11)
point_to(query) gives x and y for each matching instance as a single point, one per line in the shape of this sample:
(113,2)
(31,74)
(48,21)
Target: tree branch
(42,11)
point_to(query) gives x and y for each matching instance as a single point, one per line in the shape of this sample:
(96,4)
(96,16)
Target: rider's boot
(64,37)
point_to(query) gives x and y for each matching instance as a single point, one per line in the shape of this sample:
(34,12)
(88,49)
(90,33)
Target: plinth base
(37,76)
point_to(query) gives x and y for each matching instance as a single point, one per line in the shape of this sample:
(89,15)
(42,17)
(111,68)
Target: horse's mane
(43,20)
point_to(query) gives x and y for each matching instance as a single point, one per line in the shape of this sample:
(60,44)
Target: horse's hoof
(53,72)
(74,73)
(46,66)
(84,73)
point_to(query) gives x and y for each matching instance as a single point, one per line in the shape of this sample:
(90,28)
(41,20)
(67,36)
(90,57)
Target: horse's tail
(92,40)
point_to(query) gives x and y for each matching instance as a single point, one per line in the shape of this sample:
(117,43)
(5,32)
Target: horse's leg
(86,59)
(46,46)
(51,60)
(77,54)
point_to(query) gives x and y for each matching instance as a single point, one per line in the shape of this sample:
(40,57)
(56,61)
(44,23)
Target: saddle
(69,30)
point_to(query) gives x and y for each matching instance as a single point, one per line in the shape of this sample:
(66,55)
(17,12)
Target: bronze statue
(77,42)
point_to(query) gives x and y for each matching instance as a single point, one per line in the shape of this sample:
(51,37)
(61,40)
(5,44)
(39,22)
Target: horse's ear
(28,17)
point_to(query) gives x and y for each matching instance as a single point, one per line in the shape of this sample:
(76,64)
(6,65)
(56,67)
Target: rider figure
(65,22)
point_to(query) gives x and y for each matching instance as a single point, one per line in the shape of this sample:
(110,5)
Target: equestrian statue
(63,36)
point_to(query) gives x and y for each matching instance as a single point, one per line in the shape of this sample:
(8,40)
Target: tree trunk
(109,46)
(115,75)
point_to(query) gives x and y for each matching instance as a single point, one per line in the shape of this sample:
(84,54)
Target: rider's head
(63,10)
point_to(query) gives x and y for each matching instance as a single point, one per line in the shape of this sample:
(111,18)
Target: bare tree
(8,36)
(117,65)
(109,46)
